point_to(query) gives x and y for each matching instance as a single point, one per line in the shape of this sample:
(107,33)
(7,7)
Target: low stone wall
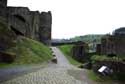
(79,52)
(117,67)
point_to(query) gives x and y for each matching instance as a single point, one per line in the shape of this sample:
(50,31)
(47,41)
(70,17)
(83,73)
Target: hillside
(88,38)
(27,51)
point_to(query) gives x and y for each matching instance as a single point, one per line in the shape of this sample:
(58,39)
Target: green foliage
(4,65)
(28,51)
(95,77)
(106,58)
(88,38)
(66,50)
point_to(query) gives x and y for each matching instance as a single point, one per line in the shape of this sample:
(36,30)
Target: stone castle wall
(32,24)
(113,45)
(80,52)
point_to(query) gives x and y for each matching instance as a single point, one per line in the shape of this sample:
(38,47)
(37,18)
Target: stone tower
(3,3)
(3,6)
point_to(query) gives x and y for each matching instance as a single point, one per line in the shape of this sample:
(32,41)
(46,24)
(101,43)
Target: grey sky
(79,17)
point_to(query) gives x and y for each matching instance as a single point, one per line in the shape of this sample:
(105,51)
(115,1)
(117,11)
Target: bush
(106,58)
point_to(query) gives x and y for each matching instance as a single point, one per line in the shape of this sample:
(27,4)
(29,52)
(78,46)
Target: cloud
(79,17)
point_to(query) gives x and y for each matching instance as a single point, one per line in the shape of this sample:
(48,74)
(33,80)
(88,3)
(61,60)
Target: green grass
(95,77)
(66,51)
(106,58)
(28,51)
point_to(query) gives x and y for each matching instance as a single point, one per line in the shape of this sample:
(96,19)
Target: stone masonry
(32,24)
(79,51)
(113,44)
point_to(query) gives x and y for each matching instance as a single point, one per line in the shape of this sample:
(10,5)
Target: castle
(113,45)
(32,24)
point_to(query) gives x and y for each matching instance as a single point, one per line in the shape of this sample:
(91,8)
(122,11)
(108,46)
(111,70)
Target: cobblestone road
(51,75)
(54,74)
(10,73)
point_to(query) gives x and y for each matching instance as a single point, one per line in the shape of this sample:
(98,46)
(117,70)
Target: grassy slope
(28,51)
(106,58)
(66,50)
(95,77)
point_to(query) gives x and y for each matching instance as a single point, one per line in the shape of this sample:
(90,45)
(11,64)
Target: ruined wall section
(80,51)
(22,21)
(45,27)
(120,45)
(3,5)
(18,18)
(112,45)
(34,25)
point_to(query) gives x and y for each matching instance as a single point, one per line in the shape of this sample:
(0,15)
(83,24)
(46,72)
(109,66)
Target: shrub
(106,58)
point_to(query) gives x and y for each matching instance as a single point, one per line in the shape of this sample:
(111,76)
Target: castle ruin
(32,24)
(113,45)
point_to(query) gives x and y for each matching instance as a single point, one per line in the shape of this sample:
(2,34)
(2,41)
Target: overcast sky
(79,17)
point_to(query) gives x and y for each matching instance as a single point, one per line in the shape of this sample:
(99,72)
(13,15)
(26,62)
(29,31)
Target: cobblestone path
(54,74)
(51,75)
(10,73)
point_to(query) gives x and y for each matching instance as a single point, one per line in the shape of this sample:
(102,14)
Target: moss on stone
(28,51)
